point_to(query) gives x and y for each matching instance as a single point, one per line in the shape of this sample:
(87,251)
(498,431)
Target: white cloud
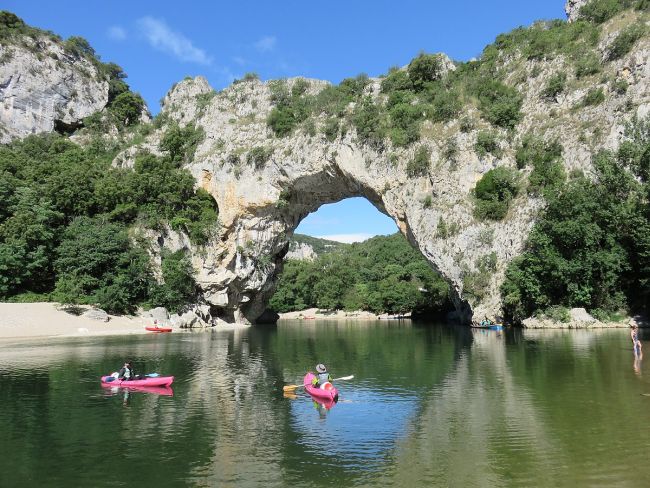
(116,33)
(266,44)
(161,37)
(347,238)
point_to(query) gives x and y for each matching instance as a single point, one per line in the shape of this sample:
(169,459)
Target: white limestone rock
(43,88)
(96,314)
(572,9)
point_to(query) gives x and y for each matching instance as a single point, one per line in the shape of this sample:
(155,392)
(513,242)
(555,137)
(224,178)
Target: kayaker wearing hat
(322,376)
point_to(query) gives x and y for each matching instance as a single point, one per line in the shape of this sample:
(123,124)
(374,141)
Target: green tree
(494,192)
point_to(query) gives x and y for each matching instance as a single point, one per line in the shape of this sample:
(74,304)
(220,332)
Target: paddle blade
(344,378)
(289,387)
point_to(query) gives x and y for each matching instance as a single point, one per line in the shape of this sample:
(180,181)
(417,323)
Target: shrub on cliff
(499,103)
(494,192)
(419,164)
(625,41)
(424,69)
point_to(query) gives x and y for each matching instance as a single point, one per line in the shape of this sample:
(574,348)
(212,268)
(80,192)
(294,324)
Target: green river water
(430,405)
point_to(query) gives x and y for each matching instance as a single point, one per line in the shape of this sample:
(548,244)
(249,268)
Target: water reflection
(429,405)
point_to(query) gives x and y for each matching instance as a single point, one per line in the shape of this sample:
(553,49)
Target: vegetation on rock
(591,246)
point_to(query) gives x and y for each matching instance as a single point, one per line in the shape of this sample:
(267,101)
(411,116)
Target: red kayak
(327,394)
(152,328)
(149,381)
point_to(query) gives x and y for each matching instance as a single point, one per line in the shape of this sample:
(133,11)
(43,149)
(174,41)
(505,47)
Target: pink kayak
(329,394)
(155,381)
(156,390)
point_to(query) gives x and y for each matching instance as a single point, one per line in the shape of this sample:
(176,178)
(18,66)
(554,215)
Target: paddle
(294,387)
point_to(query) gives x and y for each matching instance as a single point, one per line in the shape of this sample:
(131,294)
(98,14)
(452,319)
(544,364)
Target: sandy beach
(34,320)
(315,313)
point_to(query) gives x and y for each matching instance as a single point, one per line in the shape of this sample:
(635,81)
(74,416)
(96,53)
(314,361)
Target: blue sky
(159,42)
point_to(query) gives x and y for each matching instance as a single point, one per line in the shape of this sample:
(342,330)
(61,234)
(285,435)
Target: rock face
(260,206)
(572,8)
(43,88)
(301,252)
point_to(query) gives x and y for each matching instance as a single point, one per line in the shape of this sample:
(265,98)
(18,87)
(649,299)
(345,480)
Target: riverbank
(40,320)
(315,313)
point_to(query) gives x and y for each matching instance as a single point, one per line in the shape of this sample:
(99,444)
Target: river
(429,405)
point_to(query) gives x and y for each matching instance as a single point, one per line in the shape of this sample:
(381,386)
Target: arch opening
(356,260)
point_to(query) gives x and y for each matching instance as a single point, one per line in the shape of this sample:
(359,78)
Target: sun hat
(321,368)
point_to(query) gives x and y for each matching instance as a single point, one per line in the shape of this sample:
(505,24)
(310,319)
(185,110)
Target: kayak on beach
(329,392)
(153,328)
(150,381)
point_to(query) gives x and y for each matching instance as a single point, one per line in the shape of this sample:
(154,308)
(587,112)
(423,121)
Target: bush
(595,96)
(259,156)
(281,120)
(557,313)
(179,287)
(331,129)
(419,165)
(487,142)
(181,143)
(587,65)
(126,108)
(367,121)
(599,11)
(292,108)
(494,192)
(625,41)
(499,104)
(446,106)
(396,80)
(556,85)
(78,47)
(424,69)
(545,158)
(404,120)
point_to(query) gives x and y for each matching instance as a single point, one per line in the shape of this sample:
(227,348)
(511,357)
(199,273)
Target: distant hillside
(303,247)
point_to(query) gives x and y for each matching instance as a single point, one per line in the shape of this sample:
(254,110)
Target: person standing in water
(636,343)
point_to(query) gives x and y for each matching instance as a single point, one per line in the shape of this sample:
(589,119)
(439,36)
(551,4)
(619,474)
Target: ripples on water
(429,406)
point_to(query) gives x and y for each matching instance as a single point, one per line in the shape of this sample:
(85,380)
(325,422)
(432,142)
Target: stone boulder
(159,313)
(96,314)
(581,315)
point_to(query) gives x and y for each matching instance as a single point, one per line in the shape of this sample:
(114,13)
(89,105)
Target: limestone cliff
(262,202)
(44,86)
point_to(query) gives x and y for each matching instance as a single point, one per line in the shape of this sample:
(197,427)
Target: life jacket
(126,373)
(323,378)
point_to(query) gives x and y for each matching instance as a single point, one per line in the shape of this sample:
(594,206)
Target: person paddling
(322,377)
(126,373)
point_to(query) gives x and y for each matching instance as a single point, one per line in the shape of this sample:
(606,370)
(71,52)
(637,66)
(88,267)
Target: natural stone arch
(261,203)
